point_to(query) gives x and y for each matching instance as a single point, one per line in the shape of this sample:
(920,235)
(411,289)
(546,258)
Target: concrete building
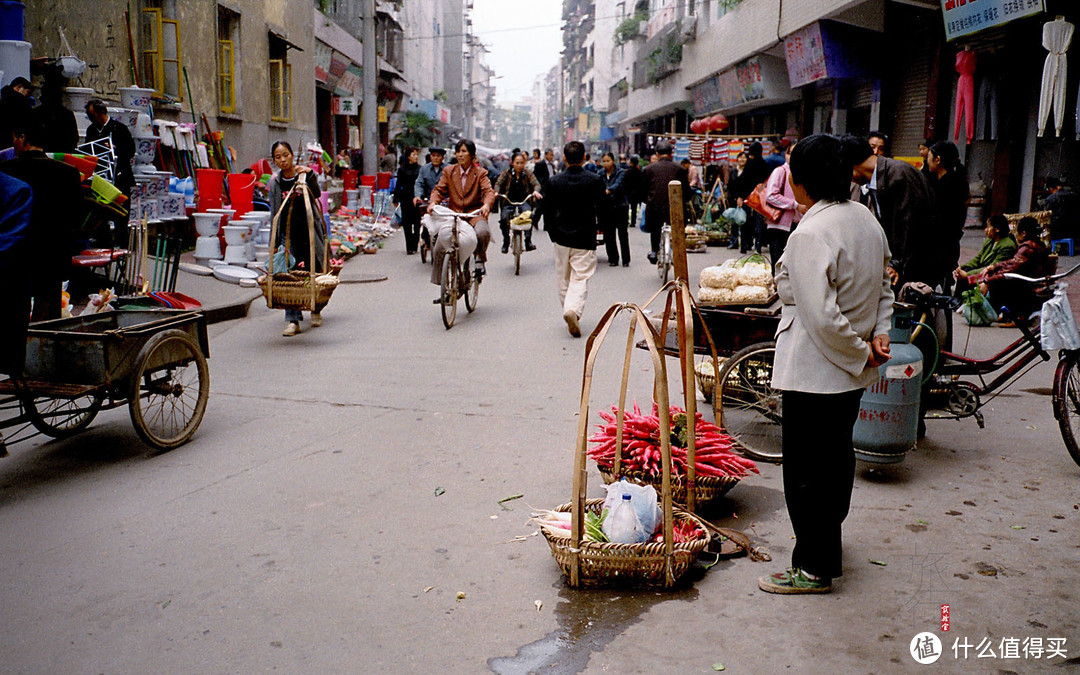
(247,65)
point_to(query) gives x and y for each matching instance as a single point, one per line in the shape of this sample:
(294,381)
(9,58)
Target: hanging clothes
(965,95)
(1057,35)
(697,151)
(682,149)
(718,152)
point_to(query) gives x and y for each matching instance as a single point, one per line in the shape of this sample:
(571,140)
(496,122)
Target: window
(228,47)
(280,80)
(161,48)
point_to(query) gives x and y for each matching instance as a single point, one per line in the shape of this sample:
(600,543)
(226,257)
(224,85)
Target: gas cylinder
(889,413)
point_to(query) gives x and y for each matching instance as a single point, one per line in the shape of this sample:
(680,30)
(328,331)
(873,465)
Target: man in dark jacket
(56,215)
(543,170)
(657,210)
(573,201)
(102,126)
(899,196)
(15,106)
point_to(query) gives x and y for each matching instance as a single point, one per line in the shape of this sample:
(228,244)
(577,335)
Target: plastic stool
(1068,243)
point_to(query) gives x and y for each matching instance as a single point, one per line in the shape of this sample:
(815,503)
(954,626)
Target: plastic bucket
(368,180)
(383,182)
(241,190)
(136,97)
(350,177)
(210,184)
(11,20)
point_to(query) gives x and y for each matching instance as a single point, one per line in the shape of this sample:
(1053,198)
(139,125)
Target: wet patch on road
(588,622)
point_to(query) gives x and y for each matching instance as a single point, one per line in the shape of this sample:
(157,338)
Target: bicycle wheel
(471,290)
(749,407)
(1067,401)
(169,389)
(518,245)
(663,260)
(449,289)
(62,417)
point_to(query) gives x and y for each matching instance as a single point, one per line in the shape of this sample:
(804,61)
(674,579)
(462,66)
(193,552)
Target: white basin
(207,224)
(235,234)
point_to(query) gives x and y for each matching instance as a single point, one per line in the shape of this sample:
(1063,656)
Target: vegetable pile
(641,445)
(746,281)
(557,524)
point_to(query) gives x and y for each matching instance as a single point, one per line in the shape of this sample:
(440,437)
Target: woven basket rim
(676,481)
(642,548)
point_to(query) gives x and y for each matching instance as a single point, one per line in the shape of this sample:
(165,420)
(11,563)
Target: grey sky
(524,40)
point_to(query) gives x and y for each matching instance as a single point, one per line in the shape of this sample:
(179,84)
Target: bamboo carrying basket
(691,490)
(589,564)
(298,289)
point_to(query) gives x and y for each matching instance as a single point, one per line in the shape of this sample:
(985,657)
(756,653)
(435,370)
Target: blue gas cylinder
(889,413)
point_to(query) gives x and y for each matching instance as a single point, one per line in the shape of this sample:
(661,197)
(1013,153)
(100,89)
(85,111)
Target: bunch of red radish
(713,454)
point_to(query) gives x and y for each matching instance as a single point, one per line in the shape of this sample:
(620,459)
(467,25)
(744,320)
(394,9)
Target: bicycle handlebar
(1041,280)
(521,203)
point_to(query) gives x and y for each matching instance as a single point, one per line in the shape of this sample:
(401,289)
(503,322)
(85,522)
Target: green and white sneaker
(794,582)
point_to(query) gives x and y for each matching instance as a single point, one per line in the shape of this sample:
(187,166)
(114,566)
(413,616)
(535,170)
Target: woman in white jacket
(833,334)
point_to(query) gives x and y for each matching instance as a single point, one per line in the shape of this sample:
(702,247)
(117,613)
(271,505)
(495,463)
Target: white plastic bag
(644,500)
(622,525)
(1058,325)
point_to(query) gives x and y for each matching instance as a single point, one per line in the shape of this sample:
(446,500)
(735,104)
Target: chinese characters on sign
(341,105)
(963,17)
(944,618)
(805,54)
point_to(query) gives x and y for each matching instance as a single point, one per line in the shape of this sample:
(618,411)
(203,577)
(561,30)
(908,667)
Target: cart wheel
(169,388)
(472,287)
(62,417)
(449,289)
(749,407)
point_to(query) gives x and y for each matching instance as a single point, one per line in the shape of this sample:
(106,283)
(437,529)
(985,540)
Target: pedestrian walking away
(832,336)
(465,187)
(293,223)
(574,200)
(613,215)
(407,175)
(657,175)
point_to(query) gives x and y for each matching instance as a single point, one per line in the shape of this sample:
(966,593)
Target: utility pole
(369,118)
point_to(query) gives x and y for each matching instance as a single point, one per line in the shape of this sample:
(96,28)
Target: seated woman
(1012,296)
(998,246)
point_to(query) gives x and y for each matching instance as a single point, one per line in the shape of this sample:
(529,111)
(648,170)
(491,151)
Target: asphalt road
(343,490)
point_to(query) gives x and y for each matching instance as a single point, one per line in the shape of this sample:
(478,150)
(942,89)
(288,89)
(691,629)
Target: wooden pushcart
(152,360)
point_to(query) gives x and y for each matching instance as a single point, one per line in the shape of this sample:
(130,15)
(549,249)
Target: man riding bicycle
(515,185)
(466,187)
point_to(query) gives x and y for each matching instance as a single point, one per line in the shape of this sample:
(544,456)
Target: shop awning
(285,39)
(759,81)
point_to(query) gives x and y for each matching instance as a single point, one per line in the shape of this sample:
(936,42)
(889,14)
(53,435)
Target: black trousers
(410,223)
(777,243)
(615,225)
(819,475)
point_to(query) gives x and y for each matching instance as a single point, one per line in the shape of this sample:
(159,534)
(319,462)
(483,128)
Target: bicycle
(950,397)
(518,229)
(459,277)
(664,257)
(425,237)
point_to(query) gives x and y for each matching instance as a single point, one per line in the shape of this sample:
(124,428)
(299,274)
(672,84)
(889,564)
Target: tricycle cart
(152,360)
(748,407)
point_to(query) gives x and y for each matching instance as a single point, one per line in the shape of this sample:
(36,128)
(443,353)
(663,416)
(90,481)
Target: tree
(418,130)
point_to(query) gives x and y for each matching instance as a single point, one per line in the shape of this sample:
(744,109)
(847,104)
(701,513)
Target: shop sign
(323,54)
(964,17)
(339,63)
(805,54)
(583,123)
(732,87)
(381,110)
(594,126)
(349,84)
(344,105)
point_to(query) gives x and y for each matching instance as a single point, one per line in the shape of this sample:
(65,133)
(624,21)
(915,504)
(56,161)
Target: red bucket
(383,182)
(350,176)
(368,180)
(210,184)
(241,190)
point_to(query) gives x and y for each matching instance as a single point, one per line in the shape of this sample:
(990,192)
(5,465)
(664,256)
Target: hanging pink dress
(965,94)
